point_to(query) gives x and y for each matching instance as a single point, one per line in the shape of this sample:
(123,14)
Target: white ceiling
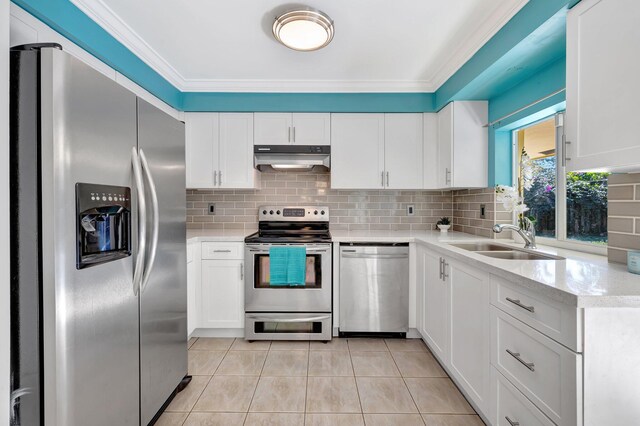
(379,45)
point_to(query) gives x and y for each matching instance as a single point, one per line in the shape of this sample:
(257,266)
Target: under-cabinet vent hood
(292,157)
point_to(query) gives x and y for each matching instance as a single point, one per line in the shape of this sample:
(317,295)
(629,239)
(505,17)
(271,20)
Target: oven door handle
(273,319)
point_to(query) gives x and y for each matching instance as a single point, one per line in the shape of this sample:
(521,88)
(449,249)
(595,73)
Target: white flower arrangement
(512,201)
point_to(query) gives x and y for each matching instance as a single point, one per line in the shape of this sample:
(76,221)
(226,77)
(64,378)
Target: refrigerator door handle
(142,224)
(155,220)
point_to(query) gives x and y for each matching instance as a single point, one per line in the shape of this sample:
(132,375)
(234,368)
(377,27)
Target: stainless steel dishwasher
(374,288)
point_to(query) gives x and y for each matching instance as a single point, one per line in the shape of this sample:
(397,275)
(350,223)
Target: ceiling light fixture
(303,29)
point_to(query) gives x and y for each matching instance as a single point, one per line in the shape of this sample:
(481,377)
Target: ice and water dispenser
(103,215)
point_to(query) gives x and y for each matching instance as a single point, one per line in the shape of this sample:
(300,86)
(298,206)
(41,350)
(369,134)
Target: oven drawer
(287,326)
(223,251)
(546,372)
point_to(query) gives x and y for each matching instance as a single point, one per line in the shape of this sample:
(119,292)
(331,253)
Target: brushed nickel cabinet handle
(387,178)
(242,272)
(516,355)
(382,177)
(222,251)
(441,273)
(444,270)
(511,422)
(215,177)
(518,303)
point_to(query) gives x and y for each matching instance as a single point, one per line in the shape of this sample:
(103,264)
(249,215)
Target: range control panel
(293,213)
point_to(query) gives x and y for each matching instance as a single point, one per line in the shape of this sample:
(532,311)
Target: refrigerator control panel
(103,223)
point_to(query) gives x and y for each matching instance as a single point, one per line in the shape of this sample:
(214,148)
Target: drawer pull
(518,303)
(516,355)
(222,251)
(511,422)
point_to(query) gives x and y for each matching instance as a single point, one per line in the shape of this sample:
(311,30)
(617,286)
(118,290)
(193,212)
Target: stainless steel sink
(519,255)
(499,251)
(482,247)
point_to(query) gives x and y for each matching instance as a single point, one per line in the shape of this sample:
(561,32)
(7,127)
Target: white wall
(4,213)
(24,28)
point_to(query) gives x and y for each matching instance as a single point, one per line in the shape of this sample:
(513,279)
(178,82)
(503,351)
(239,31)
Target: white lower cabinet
(469,330)
(432,292)
(215,277)
(222,296)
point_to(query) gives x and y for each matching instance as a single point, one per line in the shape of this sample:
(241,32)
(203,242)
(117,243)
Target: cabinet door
(272,128)
(201,136)
(403,151)
(445,147)
(222,294)
(311,129)
(435,329)
(603,86)
(470,349)
(357,151)
(470,145)
(236,151)
(430,151)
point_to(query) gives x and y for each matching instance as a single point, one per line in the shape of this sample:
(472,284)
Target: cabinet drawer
(554,319)
(511,407)
(547,373)
(222,251)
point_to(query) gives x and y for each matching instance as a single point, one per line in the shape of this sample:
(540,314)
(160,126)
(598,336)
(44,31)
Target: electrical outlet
(411,210)
(212,209)
(483,211)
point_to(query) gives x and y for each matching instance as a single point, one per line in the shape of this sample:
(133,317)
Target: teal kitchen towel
(287,266)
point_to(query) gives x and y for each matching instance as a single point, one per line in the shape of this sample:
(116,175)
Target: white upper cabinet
(376,151)
(219,150)
(403,147)
(357,151)
(236,151)
(603,87)
(202,141)
(272,128)
(430,151)
(292,128)
(463,143)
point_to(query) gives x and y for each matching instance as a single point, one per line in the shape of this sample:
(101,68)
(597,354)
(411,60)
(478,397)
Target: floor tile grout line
(306,390)
(355,379)
(407,387)
(257,383)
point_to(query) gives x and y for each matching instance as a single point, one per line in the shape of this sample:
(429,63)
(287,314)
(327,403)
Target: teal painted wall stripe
(309,102)
(500,158)
(65,18)
(527,20)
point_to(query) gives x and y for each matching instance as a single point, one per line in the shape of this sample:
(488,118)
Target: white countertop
(582,280)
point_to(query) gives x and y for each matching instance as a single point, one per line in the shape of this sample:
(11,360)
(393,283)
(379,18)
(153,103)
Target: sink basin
(482,247)
(519,255)
(499,251)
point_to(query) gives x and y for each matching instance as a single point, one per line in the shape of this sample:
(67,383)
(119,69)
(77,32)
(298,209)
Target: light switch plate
(483,211)
(411,210)
(211,209)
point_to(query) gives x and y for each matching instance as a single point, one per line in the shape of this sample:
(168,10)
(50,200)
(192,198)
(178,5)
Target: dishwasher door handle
(374,256)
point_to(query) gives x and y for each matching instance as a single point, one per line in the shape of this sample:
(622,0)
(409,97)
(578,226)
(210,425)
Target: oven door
(314,296)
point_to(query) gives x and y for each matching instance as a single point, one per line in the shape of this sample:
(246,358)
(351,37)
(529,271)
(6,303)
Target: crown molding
(307,86)
(104,16)
(474,43)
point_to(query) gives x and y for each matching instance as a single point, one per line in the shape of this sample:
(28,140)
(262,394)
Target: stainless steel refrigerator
(98,250)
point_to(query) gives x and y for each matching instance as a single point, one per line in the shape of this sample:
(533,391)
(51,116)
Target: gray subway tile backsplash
(350,209)
(624,215)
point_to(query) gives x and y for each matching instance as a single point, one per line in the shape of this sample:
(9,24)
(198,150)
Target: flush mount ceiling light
(303,29)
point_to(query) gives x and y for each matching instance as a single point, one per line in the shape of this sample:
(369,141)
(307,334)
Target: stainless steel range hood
(292,157)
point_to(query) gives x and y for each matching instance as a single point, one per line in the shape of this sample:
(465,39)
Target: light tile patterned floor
(346,382)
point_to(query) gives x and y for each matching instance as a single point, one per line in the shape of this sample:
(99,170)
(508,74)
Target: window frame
(560,241)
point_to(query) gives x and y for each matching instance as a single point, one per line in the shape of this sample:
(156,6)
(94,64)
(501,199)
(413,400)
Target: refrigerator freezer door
(163,302)
(90,316)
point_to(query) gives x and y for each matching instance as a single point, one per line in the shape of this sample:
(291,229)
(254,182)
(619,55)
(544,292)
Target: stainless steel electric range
(301,312)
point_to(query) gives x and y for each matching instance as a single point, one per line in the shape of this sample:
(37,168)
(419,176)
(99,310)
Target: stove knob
(322,212)
(264,212)
(270,211)
(278,212)
(315,212)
